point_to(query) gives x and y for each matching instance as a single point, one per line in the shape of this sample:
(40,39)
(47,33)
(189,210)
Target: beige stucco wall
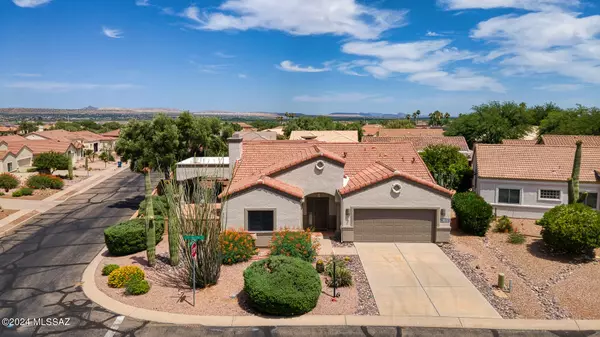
(9,159)
(412,196)
(288,210)
(531,206)
(189,171)
(311,180)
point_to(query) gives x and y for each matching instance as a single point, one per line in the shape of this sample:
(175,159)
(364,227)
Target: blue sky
(307,56)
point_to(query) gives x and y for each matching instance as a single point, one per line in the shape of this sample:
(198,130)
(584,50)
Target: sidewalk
(35,207)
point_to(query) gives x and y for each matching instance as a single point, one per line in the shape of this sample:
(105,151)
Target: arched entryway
(320,212)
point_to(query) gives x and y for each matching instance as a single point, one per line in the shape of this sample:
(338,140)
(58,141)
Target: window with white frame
(509,196)
(550,194)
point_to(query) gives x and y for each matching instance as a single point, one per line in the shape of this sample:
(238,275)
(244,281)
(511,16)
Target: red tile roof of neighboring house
(421,142)
(16,143)
(112,134)
(71,136)
(379,172)
(245,126)
(89,136)
(519,141)
(570,140)
(260,158)
(534,162)
(371,129)
(8,129)
(410,132)
(3,154)
(266,181)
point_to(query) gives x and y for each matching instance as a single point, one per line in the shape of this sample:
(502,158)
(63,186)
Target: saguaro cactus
(150,232)
(574,180)
(70,167)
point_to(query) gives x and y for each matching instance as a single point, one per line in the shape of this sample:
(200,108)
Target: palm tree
(446,118)
(279,119)
(408,118)
(418,114)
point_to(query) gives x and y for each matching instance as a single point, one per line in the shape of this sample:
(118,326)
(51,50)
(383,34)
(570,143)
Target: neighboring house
(369,192)
(15,143)
(12,160)
(256,135)
(570,140)
(410,132)
(371,129)
(525,181)
(110,138)
(420,143)
(246,127)
(205,167)
(278,130)
(519,141)
(330,136)
(87,139)
(8,130)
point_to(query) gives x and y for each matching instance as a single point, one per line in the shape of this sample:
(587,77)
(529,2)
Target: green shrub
(26,191)
(130,237)
(8,181)
(17,194)
(504,225)
(109,268)
(343,276)
(282,285)
(43,181)
(32,169)
(474,214)
(237,246)
(119,278)
(571,228)
(516,238)
(295,244)
(48,162)
(159,203)
(137,287)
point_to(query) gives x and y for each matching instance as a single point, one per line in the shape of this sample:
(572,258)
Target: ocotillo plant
(70,167)
(150,233)
(172,192)
(574,180)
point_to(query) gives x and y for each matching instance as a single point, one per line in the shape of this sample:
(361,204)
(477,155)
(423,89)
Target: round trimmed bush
(137,287)
(473,212)
(119,278)
(571,228)
(282,285)
(109,268)
(26,191)
(8,181)
(43,181)
(130,236)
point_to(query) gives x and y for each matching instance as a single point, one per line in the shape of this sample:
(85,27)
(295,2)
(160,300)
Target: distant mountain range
(368,115)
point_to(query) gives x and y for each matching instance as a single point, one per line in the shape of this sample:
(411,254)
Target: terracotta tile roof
(8,129)
(326,136)
(245,125)
(371,129)
(379,172)
(112,134)
(16,143)
(410,132)
(519,141)
(68,136)
(534,162)
(89,136)
(257,135)
(570,140)
(3,154)
(421,142)
(263,180)
(300,157)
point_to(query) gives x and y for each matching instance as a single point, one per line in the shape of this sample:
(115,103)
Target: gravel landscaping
(169,293)
(545,286)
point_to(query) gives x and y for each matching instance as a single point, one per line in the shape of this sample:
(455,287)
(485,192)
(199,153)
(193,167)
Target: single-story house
(525,181)
(87,139)
(246,127)
(369,192)
(383,132)
(15,143)
(8,130)
(371,129)
(421,142)
(278,130)
(11,161)
(329,136)
(205,167)
(570,140)
(519,141)
(256,135)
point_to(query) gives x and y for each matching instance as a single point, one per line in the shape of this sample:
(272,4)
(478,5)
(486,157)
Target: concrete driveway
(418,279)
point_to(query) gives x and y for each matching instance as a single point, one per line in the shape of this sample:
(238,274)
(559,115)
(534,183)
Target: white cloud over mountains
(30,3)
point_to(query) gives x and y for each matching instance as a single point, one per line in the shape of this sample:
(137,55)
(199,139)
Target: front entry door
(319,208)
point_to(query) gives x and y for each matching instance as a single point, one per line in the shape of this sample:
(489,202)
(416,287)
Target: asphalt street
(41,264)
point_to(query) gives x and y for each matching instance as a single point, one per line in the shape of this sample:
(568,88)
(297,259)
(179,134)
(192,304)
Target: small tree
(449,167)
(8,181)
(106,156)
(150,234)
(48,162)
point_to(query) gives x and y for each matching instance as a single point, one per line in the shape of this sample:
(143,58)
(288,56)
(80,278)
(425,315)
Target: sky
(303,56)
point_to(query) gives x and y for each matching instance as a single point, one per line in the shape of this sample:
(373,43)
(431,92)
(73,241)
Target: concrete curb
(93,293)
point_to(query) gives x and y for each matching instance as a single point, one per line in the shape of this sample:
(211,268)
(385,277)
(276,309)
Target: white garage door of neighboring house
(24,162)
(394,225)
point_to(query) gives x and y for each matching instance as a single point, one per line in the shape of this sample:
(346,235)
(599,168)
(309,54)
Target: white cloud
(112,33)
(27,75)
(384,49)
(461,80)
(559,87)
(224,55)
(534,5)
(30,3)
(343,98)
(306,17)
(209,68)
(142,3)
(290,66)
(243,76)
(545,42)
(433,34)
(66,86)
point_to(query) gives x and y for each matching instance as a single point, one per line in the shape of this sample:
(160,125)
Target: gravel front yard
(545,286)
(169,293)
